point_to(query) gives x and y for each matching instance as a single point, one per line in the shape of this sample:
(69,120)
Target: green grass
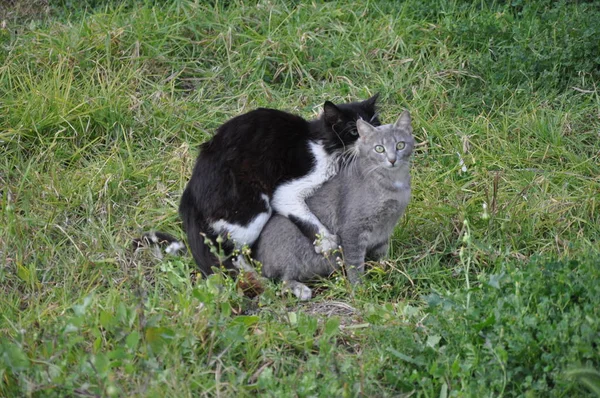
(491,288)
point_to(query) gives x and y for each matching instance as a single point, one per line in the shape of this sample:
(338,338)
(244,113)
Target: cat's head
(386,147)
(339,121)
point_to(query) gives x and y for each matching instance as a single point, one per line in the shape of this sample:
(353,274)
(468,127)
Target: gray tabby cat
(362,205)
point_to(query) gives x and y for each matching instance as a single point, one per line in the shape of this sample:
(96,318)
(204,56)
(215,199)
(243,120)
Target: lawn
(492,286)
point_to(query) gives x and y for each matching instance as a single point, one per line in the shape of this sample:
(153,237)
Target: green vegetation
(492,284)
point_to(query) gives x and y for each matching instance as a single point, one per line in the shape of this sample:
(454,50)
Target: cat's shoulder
(261,126)
(268,115)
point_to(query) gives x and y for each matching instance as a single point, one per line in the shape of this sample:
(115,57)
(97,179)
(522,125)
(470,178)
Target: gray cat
(361,204)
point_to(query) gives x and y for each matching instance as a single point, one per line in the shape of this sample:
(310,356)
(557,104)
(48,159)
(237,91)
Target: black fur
(251,155)
(307,229)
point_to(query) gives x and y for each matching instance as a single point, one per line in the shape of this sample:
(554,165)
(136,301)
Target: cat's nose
(392,161)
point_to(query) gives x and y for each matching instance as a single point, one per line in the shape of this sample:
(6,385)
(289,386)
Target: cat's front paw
(298,289)
(326,243)
(303,292)
(355,274)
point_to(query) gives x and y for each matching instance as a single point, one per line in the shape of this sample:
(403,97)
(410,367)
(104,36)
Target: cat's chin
(396,166)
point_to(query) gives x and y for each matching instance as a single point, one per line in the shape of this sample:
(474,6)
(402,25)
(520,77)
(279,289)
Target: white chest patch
(401,184)
(289,197)
(244,234)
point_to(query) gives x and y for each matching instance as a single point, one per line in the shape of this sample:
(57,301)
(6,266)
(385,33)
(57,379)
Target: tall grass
(490,286)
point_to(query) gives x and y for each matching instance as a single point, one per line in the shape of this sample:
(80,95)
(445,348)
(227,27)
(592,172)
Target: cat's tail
(251,284)
(161,242)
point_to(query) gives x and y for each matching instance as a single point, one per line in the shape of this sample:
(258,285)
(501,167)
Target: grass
(491,286)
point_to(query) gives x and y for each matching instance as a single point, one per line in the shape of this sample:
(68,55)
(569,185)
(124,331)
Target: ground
(490,288)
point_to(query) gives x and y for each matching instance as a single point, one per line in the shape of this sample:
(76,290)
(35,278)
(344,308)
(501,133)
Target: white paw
(240,263)
(303,292)
(175,248)
(326,243)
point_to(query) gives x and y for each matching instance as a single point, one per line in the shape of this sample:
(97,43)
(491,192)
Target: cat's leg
(289,203)
(326,242)
(242,227)
(298,289)
(355,251)
(244,234)
(197,230)
(289,200)
(323,241)
(378,252)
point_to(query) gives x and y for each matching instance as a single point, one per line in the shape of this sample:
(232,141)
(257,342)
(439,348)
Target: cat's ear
(371,102)
(403,121)
(331,113)
(364,128)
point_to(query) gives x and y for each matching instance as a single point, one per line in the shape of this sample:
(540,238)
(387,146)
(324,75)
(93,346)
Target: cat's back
(260,149)
(259,128)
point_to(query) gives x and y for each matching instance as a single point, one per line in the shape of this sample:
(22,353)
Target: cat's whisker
(349,126)
(340,138)
(354,166)
(369,170)
(348,158)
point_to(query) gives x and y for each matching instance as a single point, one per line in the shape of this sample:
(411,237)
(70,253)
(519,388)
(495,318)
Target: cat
(361,204)
(263,162)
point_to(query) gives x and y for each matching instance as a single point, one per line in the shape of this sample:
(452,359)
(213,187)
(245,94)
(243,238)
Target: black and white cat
(262,162)
(361,204)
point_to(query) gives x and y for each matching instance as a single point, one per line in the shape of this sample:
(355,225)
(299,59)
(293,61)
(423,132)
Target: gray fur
(361,204)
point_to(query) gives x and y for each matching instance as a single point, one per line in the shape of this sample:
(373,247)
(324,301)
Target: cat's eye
(379,149)
(354,132)
(400,145)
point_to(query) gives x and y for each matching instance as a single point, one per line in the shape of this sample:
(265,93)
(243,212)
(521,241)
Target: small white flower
(485,215)
(461,163)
